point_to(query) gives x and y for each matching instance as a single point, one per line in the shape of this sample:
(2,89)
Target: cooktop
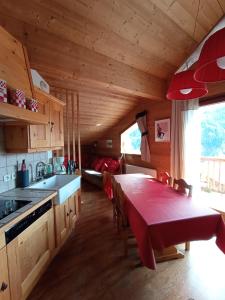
(9,206)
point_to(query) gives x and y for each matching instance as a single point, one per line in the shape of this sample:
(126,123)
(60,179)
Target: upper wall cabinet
(24,138)
(15,70)
(13,63)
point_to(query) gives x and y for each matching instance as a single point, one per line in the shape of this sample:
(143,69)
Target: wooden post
(78,131)
(68,125)
(73,128)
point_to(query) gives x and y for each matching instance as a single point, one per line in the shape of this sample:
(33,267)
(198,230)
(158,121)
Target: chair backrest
(181,186)
(165,178)
(107,184)
(119,199)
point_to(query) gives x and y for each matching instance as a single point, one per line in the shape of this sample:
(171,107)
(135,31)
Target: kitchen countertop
(35,196)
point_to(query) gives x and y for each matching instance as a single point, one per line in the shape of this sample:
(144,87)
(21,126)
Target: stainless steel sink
(65,185)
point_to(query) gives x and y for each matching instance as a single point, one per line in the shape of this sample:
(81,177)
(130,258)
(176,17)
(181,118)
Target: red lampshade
(211,63)
(184,87)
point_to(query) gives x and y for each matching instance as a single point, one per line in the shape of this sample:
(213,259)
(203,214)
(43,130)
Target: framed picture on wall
(162,130)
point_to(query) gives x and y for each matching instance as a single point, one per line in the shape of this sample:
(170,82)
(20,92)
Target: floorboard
(91,265)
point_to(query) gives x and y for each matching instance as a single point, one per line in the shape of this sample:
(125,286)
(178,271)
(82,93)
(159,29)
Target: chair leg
(125,238)
(118,223)
(187,246)
(114,213)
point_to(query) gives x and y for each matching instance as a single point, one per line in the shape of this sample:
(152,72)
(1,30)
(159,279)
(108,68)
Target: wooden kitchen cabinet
(62,222)
(4,278)
(29,254)
(40,134)
(66,216)
(32,138)
(73,209)
(56,117)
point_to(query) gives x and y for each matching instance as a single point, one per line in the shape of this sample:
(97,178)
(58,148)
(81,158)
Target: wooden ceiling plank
(91,66)
(107,43)
(121,19)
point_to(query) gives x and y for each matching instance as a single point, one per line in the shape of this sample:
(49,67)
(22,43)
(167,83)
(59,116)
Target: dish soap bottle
(23,166)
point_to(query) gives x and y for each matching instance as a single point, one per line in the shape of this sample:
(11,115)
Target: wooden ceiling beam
(46,50)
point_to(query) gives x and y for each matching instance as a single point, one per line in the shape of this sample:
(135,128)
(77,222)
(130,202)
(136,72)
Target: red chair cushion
(106,164)
(113,166)
(99,164)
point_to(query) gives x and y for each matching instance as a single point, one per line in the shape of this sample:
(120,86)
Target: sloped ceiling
(116,53)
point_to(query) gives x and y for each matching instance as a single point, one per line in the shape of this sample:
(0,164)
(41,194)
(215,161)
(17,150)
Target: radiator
(131,169)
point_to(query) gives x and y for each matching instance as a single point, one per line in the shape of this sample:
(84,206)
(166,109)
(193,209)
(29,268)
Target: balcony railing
(213,174)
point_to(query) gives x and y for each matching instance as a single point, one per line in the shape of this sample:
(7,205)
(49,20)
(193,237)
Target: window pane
(131,140)
(213,130)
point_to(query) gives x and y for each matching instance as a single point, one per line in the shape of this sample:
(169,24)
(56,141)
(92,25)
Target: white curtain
(186,142)
(141,119)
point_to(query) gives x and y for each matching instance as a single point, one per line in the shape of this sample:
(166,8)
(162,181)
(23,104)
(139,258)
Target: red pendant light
(184,87)
(211,63)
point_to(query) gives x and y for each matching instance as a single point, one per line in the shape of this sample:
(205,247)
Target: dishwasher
(30,244)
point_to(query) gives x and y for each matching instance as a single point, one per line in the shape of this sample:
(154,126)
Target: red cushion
(99,164)
(113,166)
(106,164)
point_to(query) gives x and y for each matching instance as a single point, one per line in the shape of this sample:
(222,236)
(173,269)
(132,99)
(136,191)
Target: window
(213,130)
(131,140)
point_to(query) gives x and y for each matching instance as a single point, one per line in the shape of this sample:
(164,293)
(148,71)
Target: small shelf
(9,112)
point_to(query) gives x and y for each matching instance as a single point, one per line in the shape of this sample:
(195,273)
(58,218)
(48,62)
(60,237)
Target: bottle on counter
(23,166)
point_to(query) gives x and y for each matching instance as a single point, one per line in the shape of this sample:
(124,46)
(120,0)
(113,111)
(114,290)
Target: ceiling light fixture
(211,63)
(184,87)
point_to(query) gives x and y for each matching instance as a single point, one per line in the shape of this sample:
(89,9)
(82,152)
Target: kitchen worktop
(35,196)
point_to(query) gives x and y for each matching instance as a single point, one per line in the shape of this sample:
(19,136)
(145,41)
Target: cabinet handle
(3,287)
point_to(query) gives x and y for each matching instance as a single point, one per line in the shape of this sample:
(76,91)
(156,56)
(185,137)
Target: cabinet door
(62,222)
(72,210)
(78,202)
(4,279)
(40,134)
(57,137)
(29,254)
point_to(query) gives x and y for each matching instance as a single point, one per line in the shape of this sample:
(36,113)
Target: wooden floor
(91,265)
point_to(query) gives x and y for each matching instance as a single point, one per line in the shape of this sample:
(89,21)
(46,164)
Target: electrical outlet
(6,177)
(13,175)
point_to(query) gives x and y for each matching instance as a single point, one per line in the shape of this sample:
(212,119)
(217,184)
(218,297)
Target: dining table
(161,217)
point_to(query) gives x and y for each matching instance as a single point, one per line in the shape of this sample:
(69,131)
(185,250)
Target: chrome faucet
(40,169)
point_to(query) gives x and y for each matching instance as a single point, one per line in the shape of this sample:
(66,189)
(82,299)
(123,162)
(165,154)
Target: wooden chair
(122,220)
(114,197)
(182,187)
(165,178)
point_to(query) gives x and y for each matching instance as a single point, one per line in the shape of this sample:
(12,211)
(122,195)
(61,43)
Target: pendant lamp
(184,87)
(211,63)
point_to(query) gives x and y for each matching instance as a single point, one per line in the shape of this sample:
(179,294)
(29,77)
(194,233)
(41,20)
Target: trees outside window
(131,140)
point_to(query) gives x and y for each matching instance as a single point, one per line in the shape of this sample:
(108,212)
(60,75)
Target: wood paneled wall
(160,152)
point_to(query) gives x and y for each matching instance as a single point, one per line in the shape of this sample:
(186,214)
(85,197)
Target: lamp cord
(196,19)
(220,6)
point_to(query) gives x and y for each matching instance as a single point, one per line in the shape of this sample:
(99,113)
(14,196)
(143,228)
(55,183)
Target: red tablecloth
(160,217)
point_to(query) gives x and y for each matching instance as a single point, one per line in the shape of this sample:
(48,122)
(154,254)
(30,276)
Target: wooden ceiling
(116,53)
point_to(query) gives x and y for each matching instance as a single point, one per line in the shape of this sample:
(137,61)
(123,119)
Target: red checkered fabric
(17,97)
(3,91)
(32,104)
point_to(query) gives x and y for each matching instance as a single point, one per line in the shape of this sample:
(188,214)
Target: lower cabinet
(25,258)
(66,216)
(29,254)
(4,277)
